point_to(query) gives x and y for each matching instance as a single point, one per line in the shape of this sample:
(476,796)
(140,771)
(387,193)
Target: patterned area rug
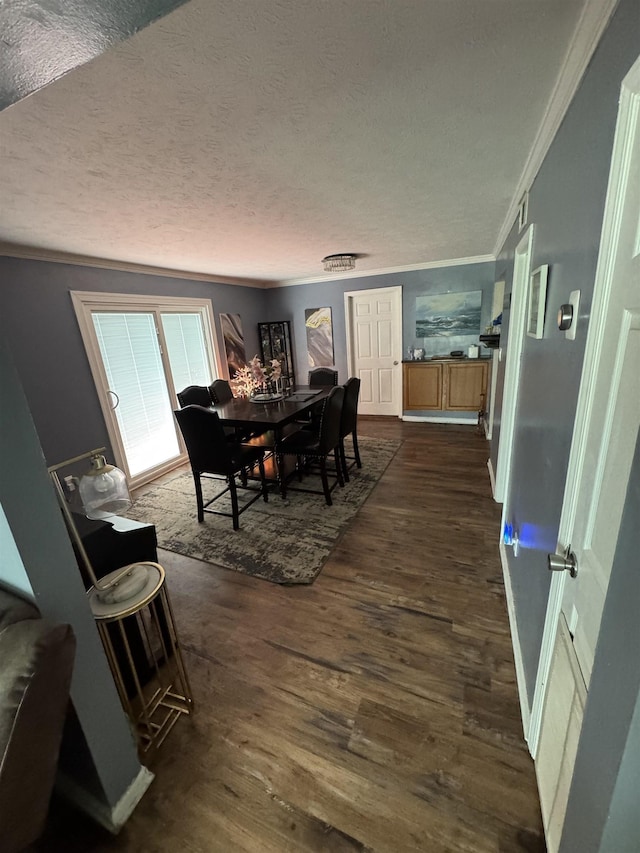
(280,541)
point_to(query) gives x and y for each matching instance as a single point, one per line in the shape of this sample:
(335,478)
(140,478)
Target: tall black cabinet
(275,342)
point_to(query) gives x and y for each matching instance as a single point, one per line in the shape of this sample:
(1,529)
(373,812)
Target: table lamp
(103,493)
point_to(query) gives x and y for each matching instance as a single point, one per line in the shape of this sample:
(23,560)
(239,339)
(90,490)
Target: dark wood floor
(376,710)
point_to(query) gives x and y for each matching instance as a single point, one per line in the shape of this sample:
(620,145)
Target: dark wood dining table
(270,418)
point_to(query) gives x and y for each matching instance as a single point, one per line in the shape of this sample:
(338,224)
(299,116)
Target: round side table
(141,644)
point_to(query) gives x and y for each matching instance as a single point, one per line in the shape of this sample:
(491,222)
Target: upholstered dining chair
(322,376)
(200,395)
(220,391)
(194,395)
(349,425)
(210,453)
(316,445)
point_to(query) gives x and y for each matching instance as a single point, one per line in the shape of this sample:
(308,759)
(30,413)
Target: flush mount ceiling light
(339,263)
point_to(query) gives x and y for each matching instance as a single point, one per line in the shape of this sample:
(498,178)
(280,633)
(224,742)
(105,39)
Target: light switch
(574,301)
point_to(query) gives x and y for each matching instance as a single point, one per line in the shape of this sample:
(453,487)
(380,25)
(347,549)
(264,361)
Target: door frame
(603,286)
(515,345)
(84,302)
(395,292)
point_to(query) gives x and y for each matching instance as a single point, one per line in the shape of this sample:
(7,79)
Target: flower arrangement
(256,377)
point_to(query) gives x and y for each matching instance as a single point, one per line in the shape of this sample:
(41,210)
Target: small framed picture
(537,301)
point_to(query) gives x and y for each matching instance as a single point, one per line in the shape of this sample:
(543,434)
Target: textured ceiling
(248,139)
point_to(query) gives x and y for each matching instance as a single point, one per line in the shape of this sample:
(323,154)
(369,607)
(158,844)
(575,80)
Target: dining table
(271,420)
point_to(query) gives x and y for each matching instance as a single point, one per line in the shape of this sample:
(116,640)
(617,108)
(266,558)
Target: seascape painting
(233,342)
(448,315)
(319,336)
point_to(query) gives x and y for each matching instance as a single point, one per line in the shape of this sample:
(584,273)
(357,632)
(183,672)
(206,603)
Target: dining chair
(200,395)
(194,395)
(220,391)
(322,376)
(210,454)
(349,425)
(316,445)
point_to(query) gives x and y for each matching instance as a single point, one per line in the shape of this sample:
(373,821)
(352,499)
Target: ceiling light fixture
(339,263)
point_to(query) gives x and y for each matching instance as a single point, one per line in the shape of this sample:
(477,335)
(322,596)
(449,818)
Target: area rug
(284,542)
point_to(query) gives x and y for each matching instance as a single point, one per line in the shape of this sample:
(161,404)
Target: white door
(605,433)
(513,358)
(374,348)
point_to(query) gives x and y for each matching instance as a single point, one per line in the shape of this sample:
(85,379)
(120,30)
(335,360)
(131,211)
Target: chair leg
(337,458)
(356,452)
(281,475)
(263,479)
(325,481)
(299,467)
(199,501)
(233,491)
(343,461)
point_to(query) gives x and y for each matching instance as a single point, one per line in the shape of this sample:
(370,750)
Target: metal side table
(155,690)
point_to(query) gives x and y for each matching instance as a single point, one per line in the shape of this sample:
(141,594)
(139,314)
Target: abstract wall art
(319,336)
(233,342)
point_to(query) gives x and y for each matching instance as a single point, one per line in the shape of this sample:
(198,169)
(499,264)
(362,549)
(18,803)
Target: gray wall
(289,303)
(602,813)
(566,203)
(41,538)
(13,574)
(44,339)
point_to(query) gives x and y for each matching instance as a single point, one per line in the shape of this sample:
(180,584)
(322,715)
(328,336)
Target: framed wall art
(448,314)
(537,301)
(319,336)
(231,326)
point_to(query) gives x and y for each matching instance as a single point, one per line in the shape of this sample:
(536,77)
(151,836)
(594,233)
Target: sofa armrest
(36,663)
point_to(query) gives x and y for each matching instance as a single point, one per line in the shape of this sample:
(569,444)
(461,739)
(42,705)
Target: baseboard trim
(525,711)
(492,477)
(426,420)
(112,819)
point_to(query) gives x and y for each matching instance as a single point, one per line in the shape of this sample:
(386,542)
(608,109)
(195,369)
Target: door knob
(395,362)
(564,562)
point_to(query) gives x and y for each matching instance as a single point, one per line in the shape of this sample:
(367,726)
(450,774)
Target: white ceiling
(249,138)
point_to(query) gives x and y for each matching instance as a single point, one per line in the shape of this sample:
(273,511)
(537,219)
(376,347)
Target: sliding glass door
(142,352)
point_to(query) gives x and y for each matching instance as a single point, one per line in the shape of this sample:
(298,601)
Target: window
(142,351)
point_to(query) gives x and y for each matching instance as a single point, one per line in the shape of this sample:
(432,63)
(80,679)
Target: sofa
(36,663)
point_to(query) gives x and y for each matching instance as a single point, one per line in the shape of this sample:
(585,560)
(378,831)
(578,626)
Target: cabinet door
(422,386)
(465,386)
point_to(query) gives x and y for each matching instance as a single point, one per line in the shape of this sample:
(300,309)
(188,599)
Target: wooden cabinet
(422,385)
(447,385)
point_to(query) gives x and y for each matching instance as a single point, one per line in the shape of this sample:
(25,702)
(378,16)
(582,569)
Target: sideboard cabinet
(452,385)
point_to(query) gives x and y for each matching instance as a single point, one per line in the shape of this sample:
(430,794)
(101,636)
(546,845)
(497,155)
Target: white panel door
(374,331)
(605,433)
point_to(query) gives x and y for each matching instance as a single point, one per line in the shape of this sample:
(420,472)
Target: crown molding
(591,25)
(33,254)
(431,265)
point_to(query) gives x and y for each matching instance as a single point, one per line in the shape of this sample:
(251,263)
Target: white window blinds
(131,356)
(187,349)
